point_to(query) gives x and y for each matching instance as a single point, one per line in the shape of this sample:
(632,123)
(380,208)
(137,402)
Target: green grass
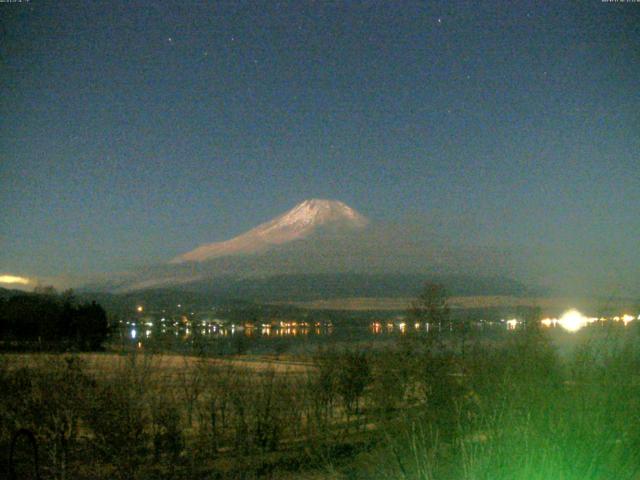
(525,414)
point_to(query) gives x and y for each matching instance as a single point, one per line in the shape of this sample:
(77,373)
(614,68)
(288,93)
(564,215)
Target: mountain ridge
(320,248)
(296,224)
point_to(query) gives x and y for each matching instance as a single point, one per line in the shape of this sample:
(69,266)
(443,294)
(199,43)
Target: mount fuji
(299,223)
(318,249)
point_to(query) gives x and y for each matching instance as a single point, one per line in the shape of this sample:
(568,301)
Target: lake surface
(303,336)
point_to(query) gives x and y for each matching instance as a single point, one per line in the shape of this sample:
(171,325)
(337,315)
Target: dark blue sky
(134,131)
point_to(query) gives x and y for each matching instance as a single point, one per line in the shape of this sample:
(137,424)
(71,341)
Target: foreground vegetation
(422,409)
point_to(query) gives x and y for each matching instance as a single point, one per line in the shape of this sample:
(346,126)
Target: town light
(627,318)
(573,320)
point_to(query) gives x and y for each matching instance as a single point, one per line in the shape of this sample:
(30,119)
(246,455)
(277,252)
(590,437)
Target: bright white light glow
(573,320)
(14,279)
(133,333)
(627,318)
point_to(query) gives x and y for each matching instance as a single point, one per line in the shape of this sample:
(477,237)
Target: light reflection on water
(222,331)
(571,321)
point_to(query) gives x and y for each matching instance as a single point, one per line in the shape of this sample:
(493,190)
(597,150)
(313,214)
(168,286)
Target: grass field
(169,364)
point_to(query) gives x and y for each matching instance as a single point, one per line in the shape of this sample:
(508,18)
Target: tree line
(52,320)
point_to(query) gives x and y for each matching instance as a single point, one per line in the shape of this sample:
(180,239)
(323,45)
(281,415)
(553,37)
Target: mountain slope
(296,224)
(321,249)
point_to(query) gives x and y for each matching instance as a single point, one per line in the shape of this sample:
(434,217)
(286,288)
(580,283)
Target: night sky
(132,131)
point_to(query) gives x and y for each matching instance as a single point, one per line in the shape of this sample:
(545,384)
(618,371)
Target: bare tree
(431,305)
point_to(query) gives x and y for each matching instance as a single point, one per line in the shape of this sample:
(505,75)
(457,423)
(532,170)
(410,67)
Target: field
(170,365)
(522,404)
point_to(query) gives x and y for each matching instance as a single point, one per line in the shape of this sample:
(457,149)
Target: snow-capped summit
(296,224)
(315,212)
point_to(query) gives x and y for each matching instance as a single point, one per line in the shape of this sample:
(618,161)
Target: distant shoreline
(548,305)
